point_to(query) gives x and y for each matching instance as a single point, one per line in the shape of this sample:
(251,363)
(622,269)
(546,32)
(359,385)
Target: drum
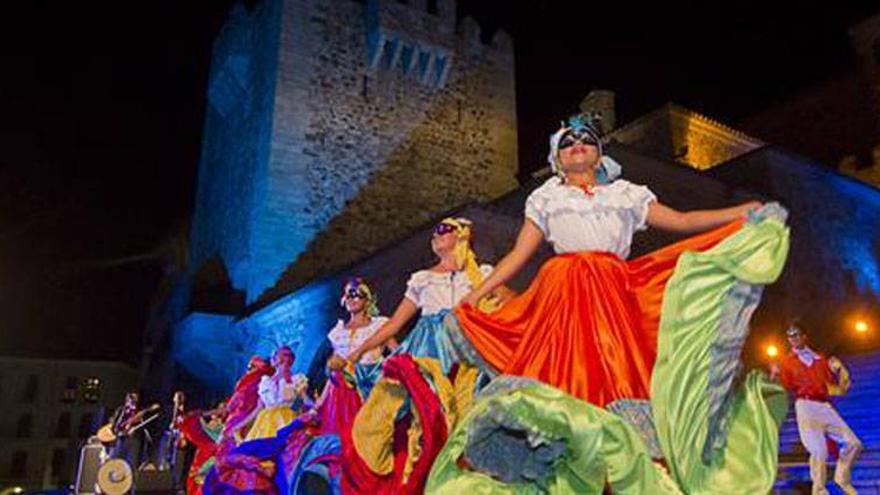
(115,477)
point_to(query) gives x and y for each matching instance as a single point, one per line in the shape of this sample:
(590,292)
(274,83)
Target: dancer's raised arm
(689,222)
(527,242)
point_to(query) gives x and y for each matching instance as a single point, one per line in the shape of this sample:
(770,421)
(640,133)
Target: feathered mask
(585,129)
(357,287)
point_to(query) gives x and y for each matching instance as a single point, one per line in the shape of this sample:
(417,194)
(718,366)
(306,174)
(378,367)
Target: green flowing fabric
(718,429)
(719,434)
(600,446)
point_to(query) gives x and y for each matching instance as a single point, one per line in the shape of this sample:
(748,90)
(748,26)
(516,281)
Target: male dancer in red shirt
(812,377)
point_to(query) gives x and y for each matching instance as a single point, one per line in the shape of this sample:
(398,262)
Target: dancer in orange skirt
(588,322)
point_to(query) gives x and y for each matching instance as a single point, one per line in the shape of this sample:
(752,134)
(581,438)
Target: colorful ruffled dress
(278,397)
(420,391)
(655,340)
(435,294)
(204,437)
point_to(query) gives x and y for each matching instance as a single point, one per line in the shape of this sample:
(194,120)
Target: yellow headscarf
(466,259)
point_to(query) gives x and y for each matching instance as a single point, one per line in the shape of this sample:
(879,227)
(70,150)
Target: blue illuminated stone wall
(831,278)
(336,126)
(834,222)
(835,225)
(237,134)
(333,128)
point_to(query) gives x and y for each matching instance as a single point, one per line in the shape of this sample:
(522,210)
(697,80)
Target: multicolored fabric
(638,414)
(339,406)
(528,438)
(429,338)
(242,405)
(587,324)
(270,420)
(391,454)
(717,436)
(321,457)
(261,466)
(197,432)
(510,441)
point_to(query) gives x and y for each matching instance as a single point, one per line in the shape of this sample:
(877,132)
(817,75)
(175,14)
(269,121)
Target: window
(406,58)
(62,429)
(85,427)
(18,468)
(389,51)
(423,63)
(91,389)
(439,71)
(69,392)
(30,389)
(25,424)
(58,456)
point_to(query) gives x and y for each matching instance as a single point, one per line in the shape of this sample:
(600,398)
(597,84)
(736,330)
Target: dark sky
(102,104)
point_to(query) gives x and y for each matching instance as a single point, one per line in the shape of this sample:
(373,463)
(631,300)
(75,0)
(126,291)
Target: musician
(171,448)
(126,446)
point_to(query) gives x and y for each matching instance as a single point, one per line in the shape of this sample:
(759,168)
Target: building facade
(49,408)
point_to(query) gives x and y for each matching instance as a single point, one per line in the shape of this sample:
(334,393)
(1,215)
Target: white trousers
(816,420)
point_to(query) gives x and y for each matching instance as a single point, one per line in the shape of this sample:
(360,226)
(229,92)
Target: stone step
(796,476)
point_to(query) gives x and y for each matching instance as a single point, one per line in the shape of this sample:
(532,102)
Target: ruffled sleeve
(640,198)
(266,391)
(415,286)
(536,210)
(337,336)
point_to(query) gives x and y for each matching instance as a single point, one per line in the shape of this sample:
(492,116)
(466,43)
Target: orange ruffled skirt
(587,324)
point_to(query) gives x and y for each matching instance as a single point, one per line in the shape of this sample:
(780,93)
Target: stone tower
(334,127)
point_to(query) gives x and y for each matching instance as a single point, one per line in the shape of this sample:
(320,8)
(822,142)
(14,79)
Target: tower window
(389,50)
(439,71)
(24,427)
(62,429)
(30,389)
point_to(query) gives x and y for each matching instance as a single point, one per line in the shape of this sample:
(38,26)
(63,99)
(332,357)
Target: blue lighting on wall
(215,348)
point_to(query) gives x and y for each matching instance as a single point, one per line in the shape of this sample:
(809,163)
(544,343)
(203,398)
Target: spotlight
(861,326)
(772,351)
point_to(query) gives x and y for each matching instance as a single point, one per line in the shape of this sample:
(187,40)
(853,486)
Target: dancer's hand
(750,206)
(774,371)
(335,362)
(472,298)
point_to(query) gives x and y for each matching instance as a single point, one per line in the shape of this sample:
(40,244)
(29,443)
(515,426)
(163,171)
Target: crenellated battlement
(327,138)
(423,44)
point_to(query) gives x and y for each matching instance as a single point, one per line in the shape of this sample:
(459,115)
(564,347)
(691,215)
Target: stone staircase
(861,410)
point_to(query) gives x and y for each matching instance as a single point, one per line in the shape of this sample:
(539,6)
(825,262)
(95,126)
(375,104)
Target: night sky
(102,109)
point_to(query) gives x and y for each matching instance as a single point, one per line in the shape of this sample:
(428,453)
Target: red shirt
(806,382)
